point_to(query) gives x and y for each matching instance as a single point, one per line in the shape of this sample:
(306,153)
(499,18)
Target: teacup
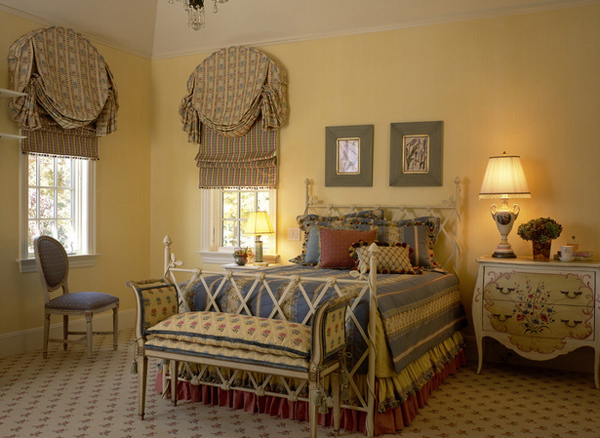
(566,253)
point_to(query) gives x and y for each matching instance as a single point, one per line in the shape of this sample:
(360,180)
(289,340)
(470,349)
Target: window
(57,200)
(224,213)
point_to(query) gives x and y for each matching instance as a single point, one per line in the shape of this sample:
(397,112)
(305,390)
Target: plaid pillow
(393,259)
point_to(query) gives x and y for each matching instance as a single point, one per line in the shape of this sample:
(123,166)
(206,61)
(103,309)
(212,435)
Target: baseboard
(27,341)
(580,360)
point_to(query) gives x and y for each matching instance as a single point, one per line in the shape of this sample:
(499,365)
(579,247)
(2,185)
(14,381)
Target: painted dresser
(538,309)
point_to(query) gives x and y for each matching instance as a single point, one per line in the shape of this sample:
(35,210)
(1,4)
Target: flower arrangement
(541,230)
(242,252)
(241,255)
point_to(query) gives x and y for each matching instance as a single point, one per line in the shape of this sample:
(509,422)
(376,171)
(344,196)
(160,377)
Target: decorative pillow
(335,244)
(235,331)
(304,223)
(433,225)
(160,302)
(422,239)
(393,259)
(417,237)
(311,223)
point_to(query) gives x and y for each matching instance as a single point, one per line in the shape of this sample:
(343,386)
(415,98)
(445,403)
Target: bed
(403,329)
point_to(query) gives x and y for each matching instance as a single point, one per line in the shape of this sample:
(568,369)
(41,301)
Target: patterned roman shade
(246,161)
(71,95)
(236,101)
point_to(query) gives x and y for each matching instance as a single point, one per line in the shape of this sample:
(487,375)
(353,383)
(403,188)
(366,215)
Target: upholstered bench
(241,342)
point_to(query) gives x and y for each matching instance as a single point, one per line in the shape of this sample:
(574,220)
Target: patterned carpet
(69,397)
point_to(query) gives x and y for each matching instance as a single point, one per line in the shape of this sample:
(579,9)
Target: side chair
(53,266)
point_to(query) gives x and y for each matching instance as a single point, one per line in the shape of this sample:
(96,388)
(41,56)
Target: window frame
(210,207)
(85,192)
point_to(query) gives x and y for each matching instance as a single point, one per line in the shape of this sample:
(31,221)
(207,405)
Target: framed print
(349,156)
(416,154)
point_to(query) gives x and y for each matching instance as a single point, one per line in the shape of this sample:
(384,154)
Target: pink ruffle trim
(388,422)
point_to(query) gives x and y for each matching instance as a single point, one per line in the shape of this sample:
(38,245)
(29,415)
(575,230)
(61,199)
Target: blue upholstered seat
(82,301)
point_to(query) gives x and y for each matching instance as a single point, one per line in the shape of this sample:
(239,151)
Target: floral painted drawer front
(540,311)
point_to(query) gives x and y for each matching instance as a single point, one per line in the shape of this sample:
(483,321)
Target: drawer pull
(509,290)
(571,324)
(569,294)
(501,318)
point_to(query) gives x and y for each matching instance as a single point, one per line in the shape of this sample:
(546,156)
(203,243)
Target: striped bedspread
(418,311)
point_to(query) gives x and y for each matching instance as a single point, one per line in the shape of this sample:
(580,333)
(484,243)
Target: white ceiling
(155,28)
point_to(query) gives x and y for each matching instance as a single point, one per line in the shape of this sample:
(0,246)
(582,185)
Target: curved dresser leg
(479,353)
(597,369)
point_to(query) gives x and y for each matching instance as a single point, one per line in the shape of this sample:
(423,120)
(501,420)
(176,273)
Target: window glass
(53,201)
(236,206)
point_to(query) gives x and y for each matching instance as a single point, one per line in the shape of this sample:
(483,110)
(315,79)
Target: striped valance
(71,95)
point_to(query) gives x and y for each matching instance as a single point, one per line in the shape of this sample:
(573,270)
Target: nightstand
(539,310)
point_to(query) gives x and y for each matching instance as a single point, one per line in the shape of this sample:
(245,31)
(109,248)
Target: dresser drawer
(539,320)
(565,288)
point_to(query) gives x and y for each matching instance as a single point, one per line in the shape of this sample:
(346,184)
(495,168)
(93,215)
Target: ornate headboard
(448,246)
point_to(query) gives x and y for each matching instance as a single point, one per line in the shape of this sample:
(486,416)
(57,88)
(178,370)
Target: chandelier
(195,10)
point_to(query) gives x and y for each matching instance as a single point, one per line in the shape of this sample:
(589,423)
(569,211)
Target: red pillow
(335,245)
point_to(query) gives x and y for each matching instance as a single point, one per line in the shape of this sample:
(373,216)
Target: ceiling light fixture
(195,10)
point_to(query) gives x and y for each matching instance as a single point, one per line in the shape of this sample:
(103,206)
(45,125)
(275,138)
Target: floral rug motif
(67,396)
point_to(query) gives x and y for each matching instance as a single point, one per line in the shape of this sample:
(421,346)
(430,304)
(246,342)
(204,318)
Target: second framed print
(349,156)
(416,154)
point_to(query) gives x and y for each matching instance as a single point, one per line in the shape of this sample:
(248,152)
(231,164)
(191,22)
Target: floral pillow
(391,259)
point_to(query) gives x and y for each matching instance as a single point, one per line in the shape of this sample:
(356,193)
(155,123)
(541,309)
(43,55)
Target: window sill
(75,261)
(226,257)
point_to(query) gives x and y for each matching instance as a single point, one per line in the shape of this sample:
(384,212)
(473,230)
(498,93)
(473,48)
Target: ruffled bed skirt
(390,421)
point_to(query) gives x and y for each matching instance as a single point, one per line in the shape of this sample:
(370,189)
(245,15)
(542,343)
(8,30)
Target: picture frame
(416,154)
(349,156)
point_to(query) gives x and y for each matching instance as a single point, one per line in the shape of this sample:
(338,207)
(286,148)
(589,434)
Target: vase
(241,260)
(541,251)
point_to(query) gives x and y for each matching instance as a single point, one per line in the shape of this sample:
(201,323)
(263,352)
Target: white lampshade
(504,178)
(258,223)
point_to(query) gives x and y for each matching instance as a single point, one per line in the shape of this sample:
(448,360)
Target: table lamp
(258,224)
(504,178)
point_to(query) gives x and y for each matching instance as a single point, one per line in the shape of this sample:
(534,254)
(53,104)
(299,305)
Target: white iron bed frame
(449,214)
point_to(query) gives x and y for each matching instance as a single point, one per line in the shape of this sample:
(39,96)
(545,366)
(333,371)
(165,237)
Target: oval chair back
(53,265)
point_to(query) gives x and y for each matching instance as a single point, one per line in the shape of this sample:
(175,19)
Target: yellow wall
(525,84)
(123,195)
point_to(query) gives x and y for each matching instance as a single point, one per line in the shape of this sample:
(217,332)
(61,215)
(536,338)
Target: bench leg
(335,389)
(313,409)
(174,372)
(142,362)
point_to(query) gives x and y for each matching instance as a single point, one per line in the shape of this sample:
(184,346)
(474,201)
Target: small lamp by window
(504,178)
(258,224)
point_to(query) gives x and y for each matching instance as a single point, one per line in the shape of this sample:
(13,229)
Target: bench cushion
(240,356)
(262,335)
